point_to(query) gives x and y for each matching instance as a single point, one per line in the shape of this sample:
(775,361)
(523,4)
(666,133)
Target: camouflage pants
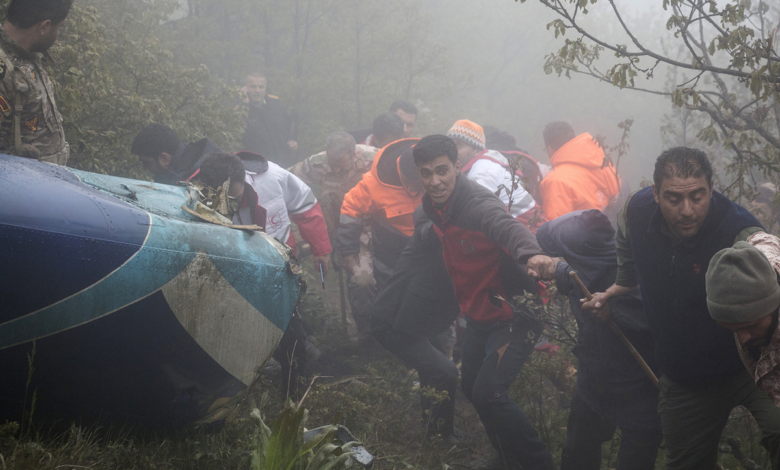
(60,158)
(361,290)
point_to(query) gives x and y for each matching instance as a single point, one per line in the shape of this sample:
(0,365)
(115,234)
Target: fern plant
(282,446)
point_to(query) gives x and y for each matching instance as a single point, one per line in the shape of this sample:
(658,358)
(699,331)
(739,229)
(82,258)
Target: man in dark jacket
(612,389)
(667,235)
(488,255)
(408,316)
(164,156)
(268,126)
(405,110)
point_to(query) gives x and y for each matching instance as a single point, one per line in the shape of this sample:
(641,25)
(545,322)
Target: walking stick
(343,300)
(612,326)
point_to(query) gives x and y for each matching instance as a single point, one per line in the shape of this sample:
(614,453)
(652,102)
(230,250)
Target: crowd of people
(443,229)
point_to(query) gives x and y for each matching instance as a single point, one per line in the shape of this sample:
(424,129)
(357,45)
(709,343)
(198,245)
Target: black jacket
(268,129)
(186,161)
(419,298)
(691,348)
(609,379)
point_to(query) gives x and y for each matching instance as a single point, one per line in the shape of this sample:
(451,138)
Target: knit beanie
(469,132)
(741,285)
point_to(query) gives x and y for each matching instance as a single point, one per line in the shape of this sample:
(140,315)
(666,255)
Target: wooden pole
(342,296)
(612,326)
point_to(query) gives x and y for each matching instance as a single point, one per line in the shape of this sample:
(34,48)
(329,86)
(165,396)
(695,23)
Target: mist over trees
(336,64)
(723,76)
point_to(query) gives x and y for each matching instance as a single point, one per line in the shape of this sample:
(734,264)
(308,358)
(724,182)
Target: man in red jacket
(489,255)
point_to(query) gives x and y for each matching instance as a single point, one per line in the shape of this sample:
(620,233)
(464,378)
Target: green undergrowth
(362,387)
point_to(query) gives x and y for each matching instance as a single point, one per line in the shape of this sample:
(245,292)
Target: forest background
(710,79)
(335,64)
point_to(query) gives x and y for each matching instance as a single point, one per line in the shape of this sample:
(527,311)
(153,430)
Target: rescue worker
(491,169)
(743,295)
(612,390)
(335,172)
(272,198)
(387,195)
(412,318)
(31,125)
(408,114)
(532,170)
(580,179)
(268,126)
(164,156)
(487,254)
(387,127)
(667,235)
(404,109)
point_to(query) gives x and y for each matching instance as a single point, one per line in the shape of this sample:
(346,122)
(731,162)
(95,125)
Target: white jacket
(492,175)
(281,194)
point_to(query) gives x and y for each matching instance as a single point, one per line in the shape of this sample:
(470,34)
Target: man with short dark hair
(489,255)
(166,157)
(385,124)
(667,235)
(408,114)
(268,126)
(31,125)
(580,178)
(387,128)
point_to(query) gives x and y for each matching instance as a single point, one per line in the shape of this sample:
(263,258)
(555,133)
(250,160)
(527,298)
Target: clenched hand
(541,267)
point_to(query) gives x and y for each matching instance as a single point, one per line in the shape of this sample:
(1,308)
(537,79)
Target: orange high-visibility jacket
(577,180)
(380,195)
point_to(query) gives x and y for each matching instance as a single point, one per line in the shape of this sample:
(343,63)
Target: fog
(503,52)
(336,64)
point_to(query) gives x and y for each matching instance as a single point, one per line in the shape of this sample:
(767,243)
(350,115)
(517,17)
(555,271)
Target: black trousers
(587,430)
(291,353)
(493,355)
(435,369)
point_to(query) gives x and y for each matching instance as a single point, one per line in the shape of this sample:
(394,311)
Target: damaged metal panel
(113,257)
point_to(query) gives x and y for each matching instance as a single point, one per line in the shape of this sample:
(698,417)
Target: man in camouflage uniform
(31,126)
(332,174)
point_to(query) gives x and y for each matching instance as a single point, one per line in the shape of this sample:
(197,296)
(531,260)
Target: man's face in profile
(156,166)
(48,36)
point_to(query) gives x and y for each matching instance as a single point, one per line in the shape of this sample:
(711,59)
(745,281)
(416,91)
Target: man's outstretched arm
(627,279)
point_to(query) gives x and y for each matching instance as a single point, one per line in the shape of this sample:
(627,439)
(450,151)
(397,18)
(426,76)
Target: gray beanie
(741,285)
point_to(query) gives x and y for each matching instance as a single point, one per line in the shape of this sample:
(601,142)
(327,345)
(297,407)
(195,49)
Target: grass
(365,388)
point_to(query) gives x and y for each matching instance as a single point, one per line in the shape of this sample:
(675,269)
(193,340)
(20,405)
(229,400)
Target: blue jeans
(493,355)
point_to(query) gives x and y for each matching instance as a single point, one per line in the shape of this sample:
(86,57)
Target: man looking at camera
(489,255)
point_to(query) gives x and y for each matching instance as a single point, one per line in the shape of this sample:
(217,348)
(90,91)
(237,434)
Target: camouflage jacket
(330,187)
(26,90)
(766,370)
